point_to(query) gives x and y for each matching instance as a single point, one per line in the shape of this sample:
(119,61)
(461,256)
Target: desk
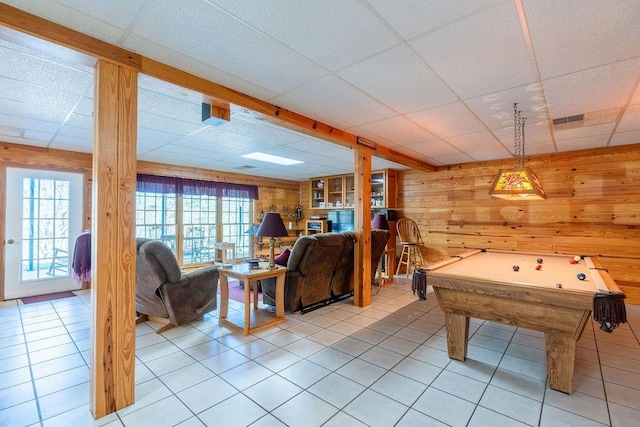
(483,284)
(256,319)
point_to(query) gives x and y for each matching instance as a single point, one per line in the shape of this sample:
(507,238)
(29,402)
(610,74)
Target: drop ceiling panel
(595,89)
(399,79)
(358,77)
(435,148)
(498,153)
(630,120)
(332,33)
(195,66)
(479,141)
(76,132)
(252,130)
(535,133)
(167,106)
(28,123)
(152,121)
(83,144)
(399,130)
(37,95)
(81,121)
(449,120)
(336,97)
(411,18)
(11,107)
(25,68)
(174,159)
(70,147)
(584,143)
(311,112)
(603,130)
(37,136)
(454,158)
(474,58)
(321,148)
(624,138)
(201,31)
(72,18)
(496,109)
(569,36)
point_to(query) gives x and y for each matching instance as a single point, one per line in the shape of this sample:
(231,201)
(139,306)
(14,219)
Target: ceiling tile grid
(435,80)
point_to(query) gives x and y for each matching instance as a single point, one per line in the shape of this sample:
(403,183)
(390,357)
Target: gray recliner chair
(166,294)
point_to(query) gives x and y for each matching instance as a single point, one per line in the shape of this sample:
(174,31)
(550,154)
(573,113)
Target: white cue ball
(576,258)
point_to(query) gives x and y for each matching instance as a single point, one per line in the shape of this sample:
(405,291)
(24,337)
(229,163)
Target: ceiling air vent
(569,122)
(245,167)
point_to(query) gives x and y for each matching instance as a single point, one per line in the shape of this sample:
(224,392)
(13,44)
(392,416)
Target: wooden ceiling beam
(27,29)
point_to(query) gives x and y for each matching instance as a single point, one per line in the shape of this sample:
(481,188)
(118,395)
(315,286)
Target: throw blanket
(419,283)
(82,258)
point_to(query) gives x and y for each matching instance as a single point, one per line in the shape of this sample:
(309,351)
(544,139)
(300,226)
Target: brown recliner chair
(166,294)
(310,271)
(343,279)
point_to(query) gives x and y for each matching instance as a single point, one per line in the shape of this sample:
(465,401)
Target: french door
(43,219)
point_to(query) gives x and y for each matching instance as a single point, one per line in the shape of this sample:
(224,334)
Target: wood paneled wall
(593,208)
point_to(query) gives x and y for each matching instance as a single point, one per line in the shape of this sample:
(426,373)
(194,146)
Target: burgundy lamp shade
(380,222)
(272,226)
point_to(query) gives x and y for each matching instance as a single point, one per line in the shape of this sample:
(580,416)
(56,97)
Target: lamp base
(272,263)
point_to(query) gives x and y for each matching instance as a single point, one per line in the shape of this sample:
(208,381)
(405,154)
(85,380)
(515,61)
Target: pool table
(484,284)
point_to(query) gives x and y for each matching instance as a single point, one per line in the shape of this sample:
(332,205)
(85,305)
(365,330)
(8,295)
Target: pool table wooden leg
(561,358)
(457,335)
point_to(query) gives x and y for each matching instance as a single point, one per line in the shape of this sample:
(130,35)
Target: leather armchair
(310,270)
(343,278)
(165,293)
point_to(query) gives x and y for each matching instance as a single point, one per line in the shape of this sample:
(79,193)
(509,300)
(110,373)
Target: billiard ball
(573,261)
(516,267)
(538,267)
(581,276)
(539,260)
(577,258)
(559,285)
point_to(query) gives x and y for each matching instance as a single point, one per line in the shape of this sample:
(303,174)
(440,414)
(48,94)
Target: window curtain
(167,184)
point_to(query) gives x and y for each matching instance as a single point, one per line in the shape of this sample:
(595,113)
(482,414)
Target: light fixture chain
(518,137)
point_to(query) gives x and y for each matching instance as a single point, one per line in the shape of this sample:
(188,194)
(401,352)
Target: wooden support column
(362,227)
(113,238)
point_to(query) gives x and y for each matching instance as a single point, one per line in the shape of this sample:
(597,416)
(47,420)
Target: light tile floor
(383,365)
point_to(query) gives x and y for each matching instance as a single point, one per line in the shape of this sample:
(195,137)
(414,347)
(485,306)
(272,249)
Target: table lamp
(379,222)
(272,227)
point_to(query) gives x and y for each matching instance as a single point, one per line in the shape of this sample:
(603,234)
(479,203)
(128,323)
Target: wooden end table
(256,319)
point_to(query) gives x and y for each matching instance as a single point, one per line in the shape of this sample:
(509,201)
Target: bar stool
(411,241)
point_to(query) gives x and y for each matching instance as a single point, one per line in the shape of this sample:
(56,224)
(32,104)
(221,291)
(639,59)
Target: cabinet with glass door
(335,192)
(318,193)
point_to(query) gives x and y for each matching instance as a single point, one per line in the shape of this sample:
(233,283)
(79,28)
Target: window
(236,220)
(156,217)
(190,216)
(199,224)
(45,228)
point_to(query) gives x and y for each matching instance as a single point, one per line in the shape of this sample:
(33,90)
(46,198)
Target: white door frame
(16,282)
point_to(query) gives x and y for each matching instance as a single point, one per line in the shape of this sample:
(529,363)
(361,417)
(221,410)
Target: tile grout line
(33,380)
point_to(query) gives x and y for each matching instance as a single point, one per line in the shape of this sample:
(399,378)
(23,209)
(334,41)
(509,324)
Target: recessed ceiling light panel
(269,158)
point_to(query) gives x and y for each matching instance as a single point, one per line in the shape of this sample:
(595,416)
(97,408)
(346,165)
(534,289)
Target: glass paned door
(44,217)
